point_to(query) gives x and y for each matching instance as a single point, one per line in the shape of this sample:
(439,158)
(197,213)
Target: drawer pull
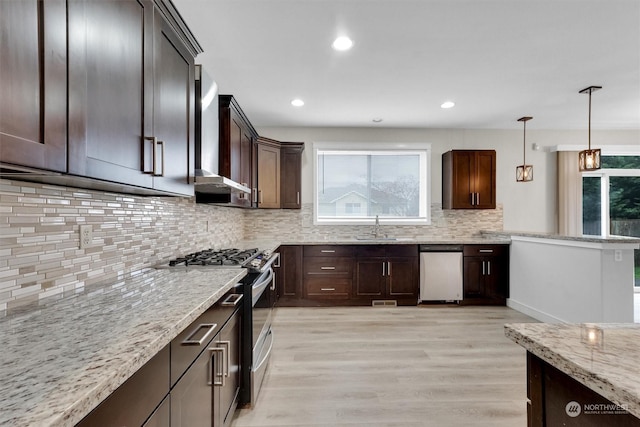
(486,251)
(190,341)
(327,268)
(232,300)
(328,251)
(327,289)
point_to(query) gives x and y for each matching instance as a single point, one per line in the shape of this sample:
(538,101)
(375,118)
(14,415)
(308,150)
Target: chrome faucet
(376,228)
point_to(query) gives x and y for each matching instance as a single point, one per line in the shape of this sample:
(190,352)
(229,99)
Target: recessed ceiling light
(377,120)
(447,104)
(297,102)
(342,43)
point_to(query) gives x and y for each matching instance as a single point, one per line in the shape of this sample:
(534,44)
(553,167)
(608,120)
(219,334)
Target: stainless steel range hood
(209,183)
(206,179)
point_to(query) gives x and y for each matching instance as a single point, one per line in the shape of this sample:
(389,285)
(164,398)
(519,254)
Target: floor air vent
(384,303)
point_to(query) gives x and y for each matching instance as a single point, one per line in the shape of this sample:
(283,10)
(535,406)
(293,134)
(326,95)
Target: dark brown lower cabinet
(289,275)
(135,400)
(486,274)
(556,399)
(386,272)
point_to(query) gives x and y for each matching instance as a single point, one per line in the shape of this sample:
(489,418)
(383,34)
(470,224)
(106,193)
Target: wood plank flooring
(392,367)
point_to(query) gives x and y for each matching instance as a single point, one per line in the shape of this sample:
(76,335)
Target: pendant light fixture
(589,160)
(524,172)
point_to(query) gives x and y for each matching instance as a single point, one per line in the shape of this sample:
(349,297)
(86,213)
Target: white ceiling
(497,60)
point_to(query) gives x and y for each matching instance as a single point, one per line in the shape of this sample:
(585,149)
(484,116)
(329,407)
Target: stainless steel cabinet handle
(154,141)
(383,269)
(155,158)
(488,268)
(190,341)
(388,268)
(472,198)
(486,251)
(327,268)
(232,300)
(227,353)
(327,251)
(273,282)
(477,199)
(327,289)
(254,191)
(298,198)
(483,268)
(260,197)
(216,378)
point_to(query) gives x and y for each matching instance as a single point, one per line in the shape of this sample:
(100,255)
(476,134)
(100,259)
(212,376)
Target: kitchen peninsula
(556,278)
(581,374)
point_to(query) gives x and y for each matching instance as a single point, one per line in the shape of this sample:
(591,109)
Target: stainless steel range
(259,298)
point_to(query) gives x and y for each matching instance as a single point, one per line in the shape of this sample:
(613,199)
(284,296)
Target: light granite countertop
(587,239)
(400,241)
(603,357)
(61,357)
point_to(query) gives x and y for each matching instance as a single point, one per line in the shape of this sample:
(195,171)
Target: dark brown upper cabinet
(469,179)
(236,150)
(291,175)
(33,84)
(131,95)
(268,173)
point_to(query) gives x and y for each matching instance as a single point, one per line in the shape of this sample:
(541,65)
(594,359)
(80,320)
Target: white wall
(528,206)
(571,281)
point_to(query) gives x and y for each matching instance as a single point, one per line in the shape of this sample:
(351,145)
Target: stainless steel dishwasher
(441,272)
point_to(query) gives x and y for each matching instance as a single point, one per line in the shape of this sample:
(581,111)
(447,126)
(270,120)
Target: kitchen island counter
(602,357)
(62,356)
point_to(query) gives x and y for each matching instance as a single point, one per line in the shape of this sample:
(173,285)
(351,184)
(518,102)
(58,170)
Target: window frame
(422,148)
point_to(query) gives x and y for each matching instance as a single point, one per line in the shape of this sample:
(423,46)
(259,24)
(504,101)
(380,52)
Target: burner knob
(266,254)
(255,263)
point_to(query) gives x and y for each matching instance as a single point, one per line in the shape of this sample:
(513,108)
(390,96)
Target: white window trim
(373,146)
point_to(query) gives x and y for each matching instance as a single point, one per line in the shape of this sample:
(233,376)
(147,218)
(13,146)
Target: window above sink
(355,182)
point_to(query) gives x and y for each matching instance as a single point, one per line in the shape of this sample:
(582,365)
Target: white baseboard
(532,312)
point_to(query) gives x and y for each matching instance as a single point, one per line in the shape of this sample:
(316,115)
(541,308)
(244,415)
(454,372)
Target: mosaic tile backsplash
(39,234)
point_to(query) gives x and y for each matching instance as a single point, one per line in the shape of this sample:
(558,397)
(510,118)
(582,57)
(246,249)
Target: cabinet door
(485,185)
(191,397)
(229,340)
(370,279)
(110,89)
(496,278)
(173,111)
(473,279)
(33,86)
(291,177)
(402,277)
(268,176)
(463,182)
(289,283)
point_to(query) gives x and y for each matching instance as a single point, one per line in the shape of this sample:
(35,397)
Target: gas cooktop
(253,259)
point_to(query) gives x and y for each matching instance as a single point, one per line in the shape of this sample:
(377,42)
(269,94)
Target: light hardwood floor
(404,366)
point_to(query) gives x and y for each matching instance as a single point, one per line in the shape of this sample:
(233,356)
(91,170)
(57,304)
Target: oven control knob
(255,263)
(266,254)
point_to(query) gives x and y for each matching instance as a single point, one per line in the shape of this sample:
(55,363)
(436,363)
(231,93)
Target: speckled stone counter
(603,357)
(489,240)
(60,358)
(584,239)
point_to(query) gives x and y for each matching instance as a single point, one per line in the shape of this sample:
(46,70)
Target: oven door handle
(258,288)
(266,353)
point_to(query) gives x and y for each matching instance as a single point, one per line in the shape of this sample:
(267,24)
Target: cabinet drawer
(328,251)
(329,266)
(322,287)
(486,250)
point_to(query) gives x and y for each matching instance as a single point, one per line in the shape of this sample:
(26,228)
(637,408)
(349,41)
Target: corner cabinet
(33,87)
(469,179)
(131,95)
(486,274)
(291,175)
(289,274)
